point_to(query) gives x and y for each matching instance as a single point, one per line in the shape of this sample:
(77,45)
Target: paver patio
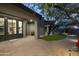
(30,46)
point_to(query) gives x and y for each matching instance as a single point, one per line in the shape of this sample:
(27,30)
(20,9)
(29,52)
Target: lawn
(54,37)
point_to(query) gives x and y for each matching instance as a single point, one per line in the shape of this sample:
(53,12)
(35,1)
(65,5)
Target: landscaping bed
(54,37)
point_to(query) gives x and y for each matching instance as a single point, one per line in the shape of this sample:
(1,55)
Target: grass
(54,37)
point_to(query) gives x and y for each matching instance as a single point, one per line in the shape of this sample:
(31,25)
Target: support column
(47,29)
(39,30)
(28,29)
(36,29)
(24,28)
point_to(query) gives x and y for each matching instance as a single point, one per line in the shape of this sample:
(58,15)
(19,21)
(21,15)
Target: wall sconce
(31,20)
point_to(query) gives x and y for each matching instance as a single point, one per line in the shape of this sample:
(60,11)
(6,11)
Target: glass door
(11,26)
(20,29)
(2,31)
(12,31)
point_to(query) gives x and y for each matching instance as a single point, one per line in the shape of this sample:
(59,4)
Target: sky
(34,8)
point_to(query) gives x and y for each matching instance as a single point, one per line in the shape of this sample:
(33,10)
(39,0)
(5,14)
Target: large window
(20,27)
(11,26)
(1,26)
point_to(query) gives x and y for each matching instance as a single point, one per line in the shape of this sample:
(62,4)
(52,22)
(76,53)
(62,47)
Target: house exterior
(18,21)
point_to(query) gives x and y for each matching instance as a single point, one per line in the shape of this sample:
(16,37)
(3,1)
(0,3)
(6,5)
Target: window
(14,26)
(1,26)
(11,26)
(20,26)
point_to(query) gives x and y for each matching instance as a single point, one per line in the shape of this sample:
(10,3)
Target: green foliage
(54,37)
(68,7)
(45,8)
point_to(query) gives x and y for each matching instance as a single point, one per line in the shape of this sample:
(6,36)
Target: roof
(28,9)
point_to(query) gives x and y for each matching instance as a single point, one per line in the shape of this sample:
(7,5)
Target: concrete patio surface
(30,46)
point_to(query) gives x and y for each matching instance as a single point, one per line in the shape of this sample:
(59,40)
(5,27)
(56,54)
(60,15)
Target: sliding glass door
(10,29)
(20,27)
(2,31)
(1,26)
(11,26)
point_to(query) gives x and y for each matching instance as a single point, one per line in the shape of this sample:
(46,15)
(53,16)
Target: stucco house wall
(18,11)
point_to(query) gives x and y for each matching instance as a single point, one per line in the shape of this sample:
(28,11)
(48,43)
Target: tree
(60,11)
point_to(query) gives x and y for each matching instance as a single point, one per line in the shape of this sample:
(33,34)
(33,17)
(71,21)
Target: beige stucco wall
(31,28)
(40,27)
(14,10)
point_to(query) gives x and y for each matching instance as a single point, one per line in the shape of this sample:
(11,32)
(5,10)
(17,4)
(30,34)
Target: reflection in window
(11,26)
(20,26)
(1,26)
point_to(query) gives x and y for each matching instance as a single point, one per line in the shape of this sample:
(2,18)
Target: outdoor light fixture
(5,17)
(31,20)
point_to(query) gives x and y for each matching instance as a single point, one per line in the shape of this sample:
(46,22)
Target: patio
(36,47)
